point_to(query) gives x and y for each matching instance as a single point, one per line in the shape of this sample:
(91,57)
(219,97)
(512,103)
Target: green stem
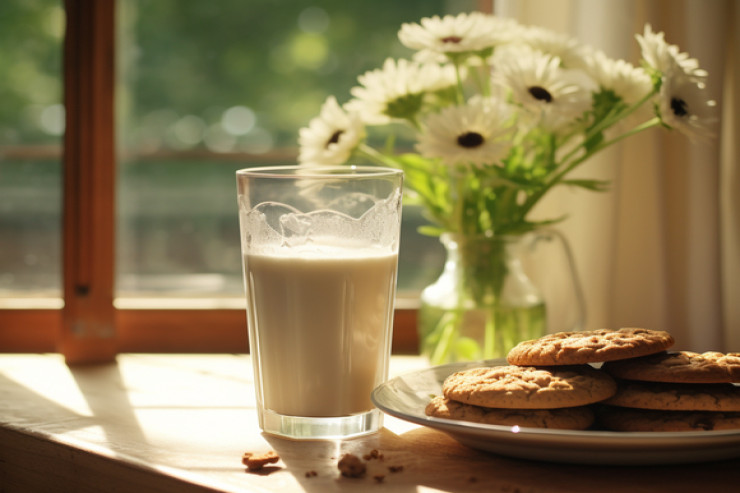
(610,119)
(489,341)
(532,199)
(607,122)
(653,122)
(448,324)
(482,77)
(414,123)
(374,155)
(460,203)
(460,90)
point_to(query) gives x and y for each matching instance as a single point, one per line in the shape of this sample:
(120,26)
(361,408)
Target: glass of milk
(320,254)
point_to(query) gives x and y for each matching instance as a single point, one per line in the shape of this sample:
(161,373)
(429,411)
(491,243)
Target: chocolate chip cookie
(589,346)
(527,387)
(566,418)
(679,367)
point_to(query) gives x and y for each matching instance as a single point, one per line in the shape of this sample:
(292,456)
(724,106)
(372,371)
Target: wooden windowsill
(180,423)
(167,330)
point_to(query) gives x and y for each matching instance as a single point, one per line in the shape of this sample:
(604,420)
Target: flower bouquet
(499,114)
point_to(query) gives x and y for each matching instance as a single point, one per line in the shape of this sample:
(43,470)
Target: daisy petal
(465,32)
(664,57)
(396,91)
(477,134)
(684,105)
(331,137)
(629,83)
(553,96)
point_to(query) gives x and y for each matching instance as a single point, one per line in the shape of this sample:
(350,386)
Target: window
(198,90)
(31,130)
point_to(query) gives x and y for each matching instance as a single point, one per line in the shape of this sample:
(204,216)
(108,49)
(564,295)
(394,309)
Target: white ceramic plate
(407,395)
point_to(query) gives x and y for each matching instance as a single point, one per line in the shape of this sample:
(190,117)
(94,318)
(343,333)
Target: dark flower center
(470,139)
(334,138)
(540,93)
(679,107)
(451,39)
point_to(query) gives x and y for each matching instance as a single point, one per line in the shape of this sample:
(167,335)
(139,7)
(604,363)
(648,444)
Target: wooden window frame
(89,328)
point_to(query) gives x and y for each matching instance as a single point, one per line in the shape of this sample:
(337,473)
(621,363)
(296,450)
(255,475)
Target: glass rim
(302,171)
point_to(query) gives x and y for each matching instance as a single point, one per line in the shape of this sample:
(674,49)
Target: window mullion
(88,331)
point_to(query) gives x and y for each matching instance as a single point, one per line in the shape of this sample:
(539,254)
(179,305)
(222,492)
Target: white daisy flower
(502,32)
(629,83)
(471,32)
(665,57)
(570,51)
(476,133)
(429,56)
(331,137)
(397,90)
(683,105)
(553,95)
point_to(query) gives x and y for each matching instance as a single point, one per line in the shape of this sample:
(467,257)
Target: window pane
(31,133)
(206,88)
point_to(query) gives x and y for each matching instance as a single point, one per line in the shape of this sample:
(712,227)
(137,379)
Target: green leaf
(404,107)
(592,142)
(430,230)
(390,144)
(525,226)
(467,349)
(429,180)
(606,105)
(595,185)
(413,161)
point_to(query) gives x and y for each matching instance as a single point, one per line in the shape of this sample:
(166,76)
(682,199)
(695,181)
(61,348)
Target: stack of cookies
(528,396)
(555,382)
(674,391)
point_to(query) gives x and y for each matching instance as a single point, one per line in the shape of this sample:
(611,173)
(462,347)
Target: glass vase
(497,291)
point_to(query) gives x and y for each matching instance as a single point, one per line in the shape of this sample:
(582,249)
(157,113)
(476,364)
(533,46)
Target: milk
(322,320)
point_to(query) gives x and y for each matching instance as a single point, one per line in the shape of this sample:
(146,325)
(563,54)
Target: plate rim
(602,438)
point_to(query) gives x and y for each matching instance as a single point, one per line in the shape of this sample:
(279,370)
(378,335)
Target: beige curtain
(662,248)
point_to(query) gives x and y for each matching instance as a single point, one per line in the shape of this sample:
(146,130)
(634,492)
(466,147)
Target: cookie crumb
(374,454)
(255,462)
(379,478)
(311,474)
(395,468)
(351,466)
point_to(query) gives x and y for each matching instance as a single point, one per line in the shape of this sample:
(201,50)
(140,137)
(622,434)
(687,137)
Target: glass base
(308,428)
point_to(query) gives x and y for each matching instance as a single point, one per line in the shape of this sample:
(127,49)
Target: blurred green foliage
(195,59)
(206,75)
(279,59)
(31,33)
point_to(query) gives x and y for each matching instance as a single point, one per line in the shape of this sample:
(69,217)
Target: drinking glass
(320,254)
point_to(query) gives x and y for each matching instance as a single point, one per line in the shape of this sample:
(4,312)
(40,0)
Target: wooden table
(180,423)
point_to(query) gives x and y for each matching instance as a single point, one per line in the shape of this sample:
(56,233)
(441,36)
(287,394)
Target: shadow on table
(429,458)
(314,463)
(106,394)
(490,472)
(103,391)
(53,416)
